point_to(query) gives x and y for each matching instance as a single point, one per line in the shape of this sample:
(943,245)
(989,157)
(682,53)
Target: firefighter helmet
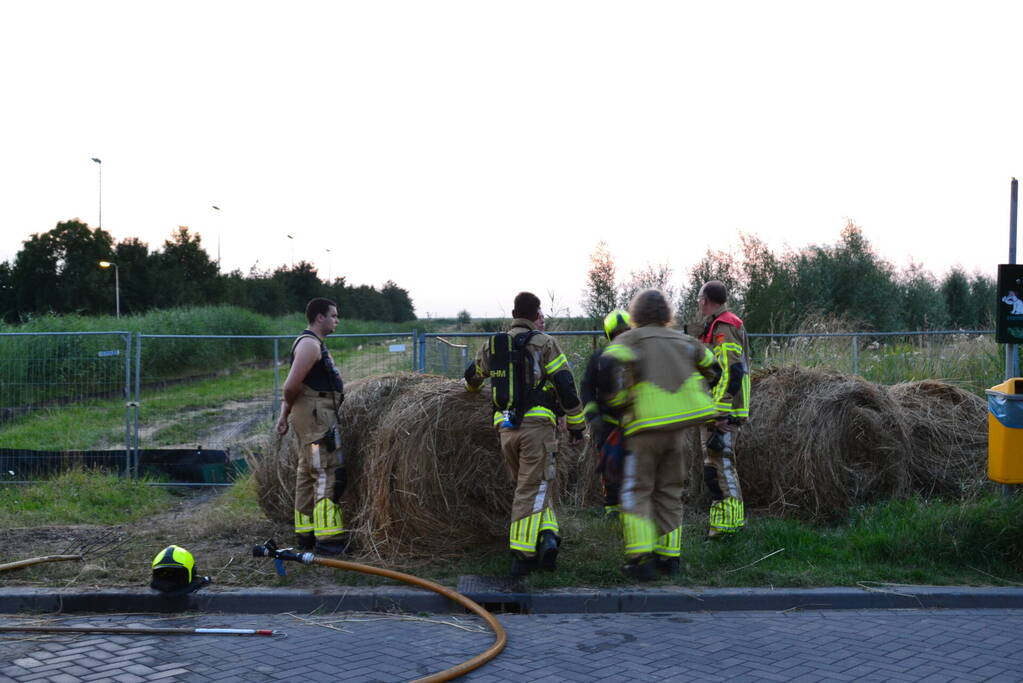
(615,322)
(172,569)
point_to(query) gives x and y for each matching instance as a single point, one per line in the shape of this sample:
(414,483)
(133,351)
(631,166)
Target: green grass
(911,542)
(100,424)
(898,542)
(80,497)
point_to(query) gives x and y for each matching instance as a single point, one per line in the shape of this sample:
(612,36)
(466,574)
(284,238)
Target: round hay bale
(947,436)
(425,470)
(274,469)
(819,443)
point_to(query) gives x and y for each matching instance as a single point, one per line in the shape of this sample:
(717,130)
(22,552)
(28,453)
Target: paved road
(834,645)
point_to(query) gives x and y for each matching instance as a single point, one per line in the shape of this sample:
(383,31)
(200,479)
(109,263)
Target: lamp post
(117,285)
(100,163)
(292,243)
(217,209)
(328,267)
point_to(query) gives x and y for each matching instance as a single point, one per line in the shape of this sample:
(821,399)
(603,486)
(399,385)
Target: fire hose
(270,549)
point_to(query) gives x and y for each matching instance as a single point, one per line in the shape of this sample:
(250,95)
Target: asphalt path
(794,645)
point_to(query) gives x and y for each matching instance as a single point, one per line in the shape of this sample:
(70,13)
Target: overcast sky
(468,150)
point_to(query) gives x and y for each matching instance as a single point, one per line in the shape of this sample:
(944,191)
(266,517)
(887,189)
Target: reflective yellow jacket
(660,379)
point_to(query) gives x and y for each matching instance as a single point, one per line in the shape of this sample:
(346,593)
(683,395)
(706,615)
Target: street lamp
(292,243)
(217,208)
(117,285)
(100,190)
(328,267)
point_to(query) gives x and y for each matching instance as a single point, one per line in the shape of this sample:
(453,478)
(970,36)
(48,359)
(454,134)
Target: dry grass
(426,475)
(819,443)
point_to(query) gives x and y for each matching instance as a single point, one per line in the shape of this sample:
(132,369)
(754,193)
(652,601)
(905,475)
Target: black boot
(644,570)
(547,551)
(669,566)
(305,541)
(341,545)
(521,566)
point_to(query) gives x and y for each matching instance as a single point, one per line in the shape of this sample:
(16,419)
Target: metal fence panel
(448,354)
(113,399)
(203,393)
(215,397)
(967,358)
(63,402)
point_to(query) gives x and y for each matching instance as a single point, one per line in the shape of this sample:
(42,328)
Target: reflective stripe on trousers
(727,515)
(316,510)
(524,533)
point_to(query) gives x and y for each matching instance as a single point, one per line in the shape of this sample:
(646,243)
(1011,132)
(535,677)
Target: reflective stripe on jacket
(725,335)
(660,384)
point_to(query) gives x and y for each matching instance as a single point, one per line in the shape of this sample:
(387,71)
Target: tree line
(843,285)
(58,272)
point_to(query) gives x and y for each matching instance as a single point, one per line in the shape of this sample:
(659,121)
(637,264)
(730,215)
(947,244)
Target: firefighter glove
(575,435)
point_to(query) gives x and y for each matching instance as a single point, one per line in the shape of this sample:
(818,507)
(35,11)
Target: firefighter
(725,335)
(660,384)
(313,393)
(605,434)
(526,424)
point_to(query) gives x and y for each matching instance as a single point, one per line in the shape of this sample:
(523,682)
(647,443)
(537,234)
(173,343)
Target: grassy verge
(80,497)
(911,542)
(192,406)
(899,542)
(100,424)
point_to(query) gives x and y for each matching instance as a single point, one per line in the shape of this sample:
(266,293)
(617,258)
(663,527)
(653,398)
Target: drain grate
(495,593)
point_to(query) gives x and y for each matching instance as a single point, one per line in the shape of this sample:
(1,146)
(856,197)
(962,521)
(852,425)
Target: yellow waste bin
(1005,432)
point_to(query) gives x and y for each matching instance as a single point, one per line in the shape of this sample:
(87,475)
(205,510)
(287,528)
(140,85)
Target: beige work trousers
(316,501)
(653,477)
(725,474)
(530,455)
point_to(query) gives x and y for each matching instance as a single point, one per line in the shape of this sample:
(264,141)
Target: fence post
(276,400)
(415,336)
(421,343)
(128,450)
(856,354)
(138,399)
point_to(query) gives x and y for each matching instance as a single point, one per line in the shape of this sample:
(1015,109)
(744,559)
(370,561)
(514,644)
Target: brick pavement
(847,645)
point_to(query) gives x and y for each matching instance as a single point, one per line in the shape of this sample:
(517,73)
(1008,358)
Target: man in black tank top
(313,393)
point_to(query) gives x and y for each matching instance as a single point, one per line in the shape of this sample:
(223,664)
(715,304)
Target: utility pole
(100,163)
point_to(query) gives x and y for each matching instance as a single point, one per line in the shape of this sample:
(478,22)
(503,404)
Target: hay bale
(426,474)
(819,443)
(947,436)
(273,466)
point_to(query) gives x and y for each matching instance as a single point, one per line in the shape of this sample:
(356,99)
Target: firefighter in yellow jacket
(661,380)
(725,335)
(313,393)
(531,386)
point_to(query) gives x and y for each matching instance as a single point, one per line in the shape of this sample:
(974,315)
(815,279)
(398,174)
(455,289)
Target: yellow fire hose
(270,549)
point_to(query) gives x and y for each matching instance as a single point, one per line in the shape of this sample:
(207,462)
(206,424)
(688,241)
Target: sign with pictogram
(1009,316)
